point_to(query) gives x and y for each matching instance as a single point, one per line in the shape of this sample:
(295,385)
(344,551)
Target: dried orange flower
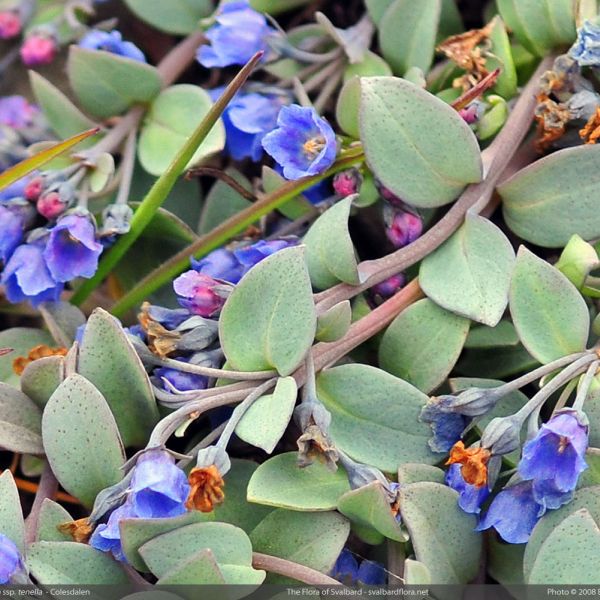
(207,489)
(79,530)
(552,118)
(474,463)
(161,341)
(41,351)
(591,132)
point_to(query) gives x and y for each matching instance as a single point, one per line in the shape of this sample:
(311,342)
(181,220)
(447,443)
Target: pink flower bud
(406,227)
(200,294)
(51,205)
(34,188)
(347,183)
(10,24)
(38,50)
(469,113)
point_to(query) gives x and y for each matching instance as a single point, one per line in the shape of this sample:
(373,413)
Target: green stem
(225,231)
(163,185)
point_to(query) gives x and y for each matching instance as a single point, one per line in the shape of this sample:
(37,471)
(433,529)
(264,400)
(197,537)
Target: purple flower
(11,232)
(238,34)
(16,112)
(347,182)
(107,536)
(38,50)
(180,380)
(303,144)
(388,287)
(26,276)
(251,255)
(470,497)
(199,293)
(248,118)
(554,458)
(586,49)
(72,250)
(405,228)
(513,513)
(347,570)
(220,264)
(158,487)
(111,41)
(447,427)
(10,559)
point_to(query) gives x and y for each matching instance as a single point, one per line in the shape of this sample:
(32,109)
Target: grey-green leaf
(422,344)
(11,517)
(281,482)
(20,422)
(51,516)
(41,377)
(21,340)
(375,416)
(334,323)
(69,563)
(110,362)
(62,319)
(550,315)
(407,34)
(470,273)
(269,320)
(81,439)
(178,16)
(416,144)
(555,197)
(442,534)
(330,252)
(265,422)
(200,568)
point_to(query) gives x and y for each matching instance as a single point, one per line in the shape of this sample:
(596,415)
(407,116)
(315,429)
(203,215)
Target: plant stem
(280,566)
(225,231)
(163,185)
(584,388)
(495,158)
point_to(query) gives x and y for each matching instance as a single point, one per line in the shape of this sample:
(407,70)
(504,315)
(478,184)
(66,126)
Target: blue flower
(348,571)
(303,144)
(586,49)
(219,264)
(16,112)
(180,380)
(111,41)
(470,497)
(107,536)
(513,513)
(10,559)
(447,427)
(158,487)
(26,276)
(11,232)
(72,250)
(238,34)
(248,256)
(171,318)
(15,190)
(554,458)
(248,118)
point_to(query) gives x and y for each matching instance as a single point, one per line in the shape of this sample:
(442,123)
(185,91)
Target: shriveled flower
(470,497)
(586,49)
(10,24)
(80,530)
(26,276)
(10,560)
(474,462)
(37,352)
(347,570)
(38,50)
(238,34)
(200,294)
(554,458)
(513,513)
(447,427)
(111,41)
(206,488)
(72,250)
(303,144)
(11,232)
(158,487)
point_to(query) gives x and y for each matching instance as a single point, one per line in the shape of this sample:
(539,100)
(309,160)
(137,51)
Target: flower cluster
(158,489)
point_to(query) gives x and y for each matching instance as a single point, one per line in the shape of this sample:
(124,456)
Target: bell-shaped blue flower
(303,144)
(180,380)
(470,497)
(220,264)
(107,536)
(586,49)
(447,427)
(238,34)
(513,513)
(26,276)
(158,487)
(251,255)
(10,559)
(348,571)
(554,458)
(72,249)
(111,41)
(11,232)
